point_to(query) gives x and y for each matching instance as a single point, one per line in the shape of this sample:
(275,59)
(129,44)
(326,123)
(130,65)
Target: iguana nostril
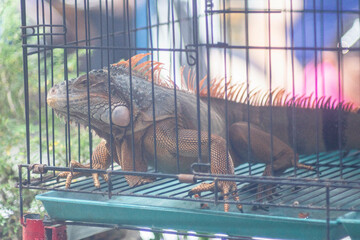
(50,97)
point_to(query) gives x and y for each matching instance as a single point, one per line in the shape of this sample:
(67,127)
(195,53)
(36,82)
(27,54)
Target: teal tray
(182,216)
(150,210)
(351,222)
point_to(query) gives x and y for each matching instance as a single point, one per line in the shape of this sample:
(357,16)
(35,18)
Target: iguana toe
(225,189)
(61,175)
(96,180)
(68,180)
(145,181)
(134,181)
(105,177)
(203,187)
(69,175)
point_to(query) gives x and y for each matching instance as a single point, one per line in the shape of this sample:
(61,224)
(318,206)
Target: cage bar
(256,51)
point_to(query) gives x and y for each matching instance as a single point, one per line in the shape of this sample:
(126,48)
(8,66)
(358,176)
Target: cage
(255,102)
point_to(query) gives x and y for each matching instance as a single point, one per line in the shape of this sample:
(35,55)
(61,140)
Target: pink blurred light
(322,80)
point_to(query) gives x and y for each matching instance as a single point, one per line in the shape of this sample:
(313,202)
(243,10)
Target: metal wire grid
(301,192)
(327,189)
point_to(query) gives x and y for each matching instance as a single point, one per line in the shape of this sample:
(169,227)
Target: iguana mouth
(120,114)
(97,126)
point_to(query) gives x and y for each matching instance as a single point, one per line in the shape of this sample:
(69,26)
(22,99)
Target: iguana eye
(81,80)
(84,82)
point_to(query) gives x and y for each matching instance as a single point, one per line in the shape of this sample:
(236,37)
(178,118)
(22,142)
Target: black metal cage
(272,56)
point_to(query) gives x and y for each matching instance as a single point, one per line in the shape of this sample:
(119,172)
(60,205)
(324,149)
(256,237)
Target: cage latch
(186,178)
(191,55)
(222,45)
(199,167)
(38,168)
(209,4)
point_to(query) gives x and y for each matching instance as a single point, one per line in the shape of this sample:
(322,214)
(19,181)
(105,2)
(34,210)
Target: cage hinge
(191,56)
(209,4)
(38,168)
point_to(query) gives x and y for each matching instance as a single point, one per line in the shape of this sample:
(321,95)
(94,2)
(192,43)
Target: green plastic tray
(158,213)
(351,222)
(186,216)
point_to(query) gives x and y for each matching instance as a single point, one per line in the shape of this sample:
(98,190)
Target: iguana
(241,118)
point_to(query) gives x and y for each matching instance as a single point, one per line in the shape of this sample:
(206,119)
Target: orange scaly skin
(186,132)
(142,125)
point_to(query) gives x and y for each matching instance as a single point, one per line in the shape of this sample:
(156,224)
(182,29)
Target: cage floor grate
(160,203)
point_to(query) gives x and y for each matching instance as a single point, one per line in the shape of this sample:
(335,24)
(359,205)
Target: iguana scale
(241,118)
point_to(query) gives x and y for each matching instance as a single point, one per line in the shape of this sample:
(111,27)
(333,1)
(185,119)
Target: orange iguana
(180,136)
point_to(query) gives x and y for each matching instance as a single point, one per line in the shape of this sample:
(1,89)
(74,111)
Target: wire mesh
(281,47)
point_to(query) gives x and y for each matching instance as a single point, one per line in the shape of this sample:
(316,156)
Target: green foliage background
(12,117)
(12,129)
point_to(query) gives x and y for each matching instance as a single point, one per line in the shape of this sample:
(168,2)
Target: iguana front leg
(101,159)
(188,148)
(125,155)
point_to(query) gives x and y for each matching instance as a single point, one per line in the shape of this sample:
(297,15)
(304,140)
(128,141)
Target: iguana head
(74,94)
(73,97)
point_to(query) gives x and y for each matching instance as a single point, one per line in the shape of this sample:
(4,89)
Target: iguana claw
(203,187)
(134,181)
(225,187)
(71,174)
